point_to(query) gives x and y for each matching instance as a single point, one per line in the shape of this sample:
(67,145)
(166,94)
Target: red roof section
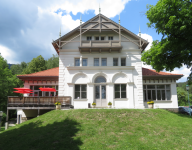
(150,72)
(49,72)
(55,72)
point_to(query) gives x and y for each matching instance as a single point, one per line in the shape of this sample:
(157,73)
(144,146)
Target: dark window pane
(36,87)
(96,61)
(57,93)
(144,86)
(77,61)
(83,88)
(36,93)
(46,93)
(97,38)
(158,95)
(97,92)
(102,38)
(144,95)
(123,61)
(56,87)
(123,94)
(149,94)
(40,93)
(104,62)
(77,88)
(117,87)
(52,93)
(150,86)
(83,94)
(103,91)
(160,86)
(115,61)
(117,94)
(77,94)
(84,62)
(163,94)
(89,38)
(168,95)
(153,95)
(167,87)
(100,80)
(123,87)
(31,87)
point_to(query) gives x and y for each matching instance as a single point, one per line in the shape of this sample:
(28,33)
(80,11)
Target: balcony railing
(100,46)
(37,101)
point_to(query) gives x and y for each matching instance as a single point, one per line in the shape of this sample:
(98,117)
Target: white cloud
(8,54)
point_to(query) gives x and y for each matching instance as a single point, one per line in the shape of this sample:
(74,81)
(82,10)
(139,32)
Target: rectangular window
(77,61)
(156,92)
(80,91)
(110,38)
(102,38)
(120,91)
(84,62)
(123,61)
(89,38)
(104,62)
(115,61)
(38,92)
(96,61)
(97,38)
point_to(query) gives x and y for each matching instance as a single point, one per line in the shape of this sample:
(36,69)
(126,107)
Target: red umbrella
(22,92)
(48,89)
(23,89)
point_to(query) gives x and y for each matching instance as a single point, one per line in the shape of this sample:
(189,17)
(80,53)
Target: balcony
(100,46)
(30,102)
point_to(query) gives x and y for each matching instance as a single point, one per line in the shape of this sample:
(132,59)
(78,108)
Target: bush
(3,119)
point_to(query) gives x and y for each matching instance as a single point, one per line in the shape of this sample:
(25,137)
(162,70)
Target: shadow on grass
(180,114)
(36,136)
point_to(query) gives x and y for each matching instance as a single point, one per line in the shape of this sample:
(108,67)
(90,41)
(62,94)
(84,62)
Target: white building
(100,61)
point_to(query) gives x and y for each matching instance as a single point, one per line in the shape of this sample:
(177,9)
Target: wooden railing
(98,43)
(38,101)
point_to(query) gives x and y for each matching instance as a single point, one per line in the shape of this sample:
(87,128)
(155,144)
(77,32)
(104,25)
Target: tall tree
(37,64)
(18,68)
(172,19)
(52,62)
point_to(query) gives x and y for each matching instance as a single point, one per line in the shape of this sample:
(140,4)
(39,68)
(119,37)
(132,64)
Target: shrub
(93,103)
(150,102)
(109,103)
(57,103)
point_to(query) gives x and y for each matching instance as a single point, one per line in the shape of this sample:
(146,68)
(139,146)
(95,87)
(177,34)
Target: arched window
(100,80)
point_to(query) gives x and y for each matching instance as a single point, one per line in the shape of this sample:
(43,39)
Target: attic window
(110,38)
(96,38)
(88,38)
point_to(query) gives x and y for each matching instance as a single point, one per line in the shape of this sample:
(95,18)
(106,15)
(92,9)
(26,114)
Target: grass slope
(101,129)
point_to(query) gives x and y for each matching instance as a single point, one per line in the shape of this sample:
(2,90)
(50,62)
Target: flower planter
(58,107)
(150,106)
(93,106)
(110,106)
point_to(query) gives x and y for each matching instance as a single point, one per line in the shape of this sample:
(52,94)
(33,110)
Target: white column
(71,92)
(80,60)
(110,94)
(130,95)
(90,92)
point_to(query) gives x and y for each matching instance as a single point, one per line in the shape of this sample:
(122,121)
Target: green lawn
(101,129)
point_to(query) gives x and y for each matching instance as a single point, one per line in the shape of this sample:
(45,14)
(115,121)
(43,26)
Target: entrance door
(100,96)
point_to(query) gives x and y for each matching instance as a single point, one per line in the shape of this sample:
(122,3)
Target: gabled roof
(87,22)
(48,73)
(54,72)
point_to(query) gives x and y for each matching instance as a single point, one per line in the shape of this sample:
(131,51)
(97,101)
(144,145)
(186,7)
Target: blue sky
(28,27)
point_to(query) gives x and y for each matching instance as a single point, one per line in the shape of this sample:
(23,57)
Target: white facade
(130,75)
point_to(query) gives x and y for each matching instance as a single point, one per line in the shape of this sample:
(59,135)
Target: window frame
(96,38)
(80,91)
(102,61)
(85,59)
(89,38)
(125,61)
(110,38)
(94,61)
(117,61)
(145,91)
(75,61)
(103,38)
(120,90)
